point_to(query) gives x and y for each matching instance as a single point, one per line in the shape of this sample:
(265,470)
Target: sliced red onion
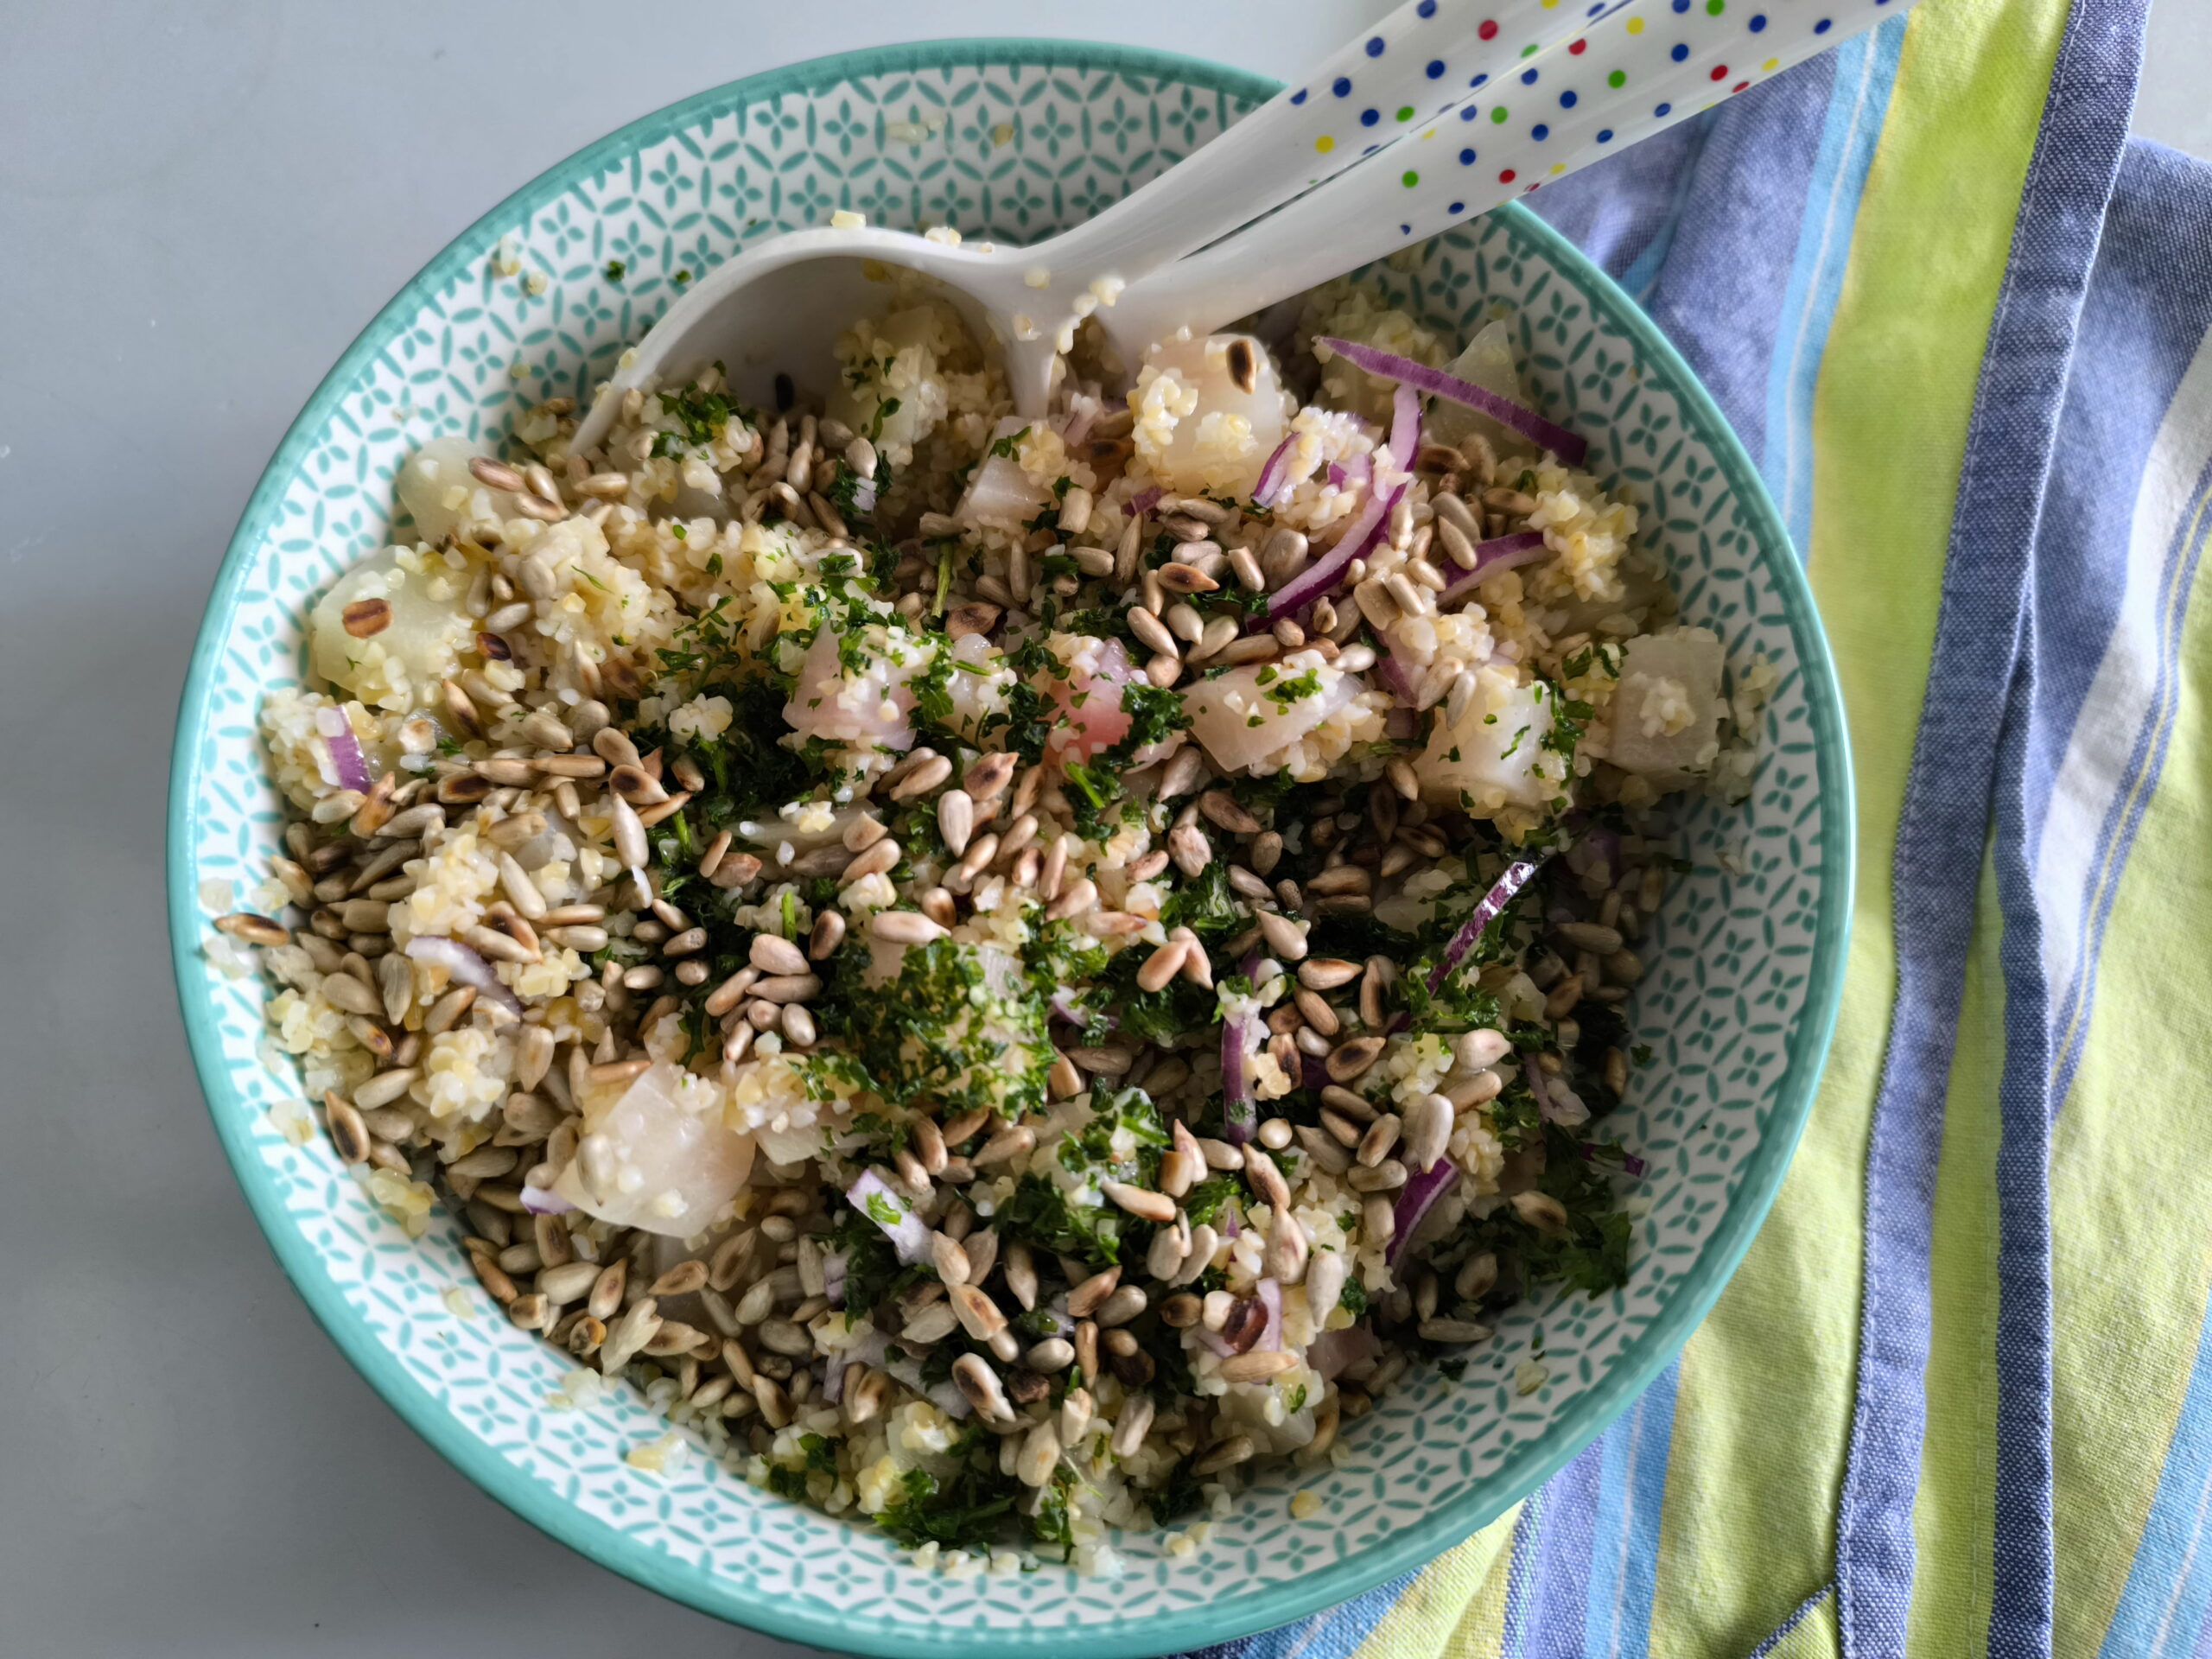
(1510,881)
(1270,1294)
(1597,850)
(465,965)
(908,1233)
(1240,1041)
(1631,1165)
(864,496)
(1213,1339)
(1497,555)
(833,1278)
(1416,1200)
(1566,445)
(1395,680)
(1079,420)
(1240,1114)
(347,764)
(1541,1088)
(1334,1352)
(1555,1100)
(544,1201)
(1276,473)
(1337,476)
(1064,1008)
(1405,427)
(1144,500)
(945,1397)
(1371,522)
(1321,576)
(948,1399)
(833,1379)
(1230,1225)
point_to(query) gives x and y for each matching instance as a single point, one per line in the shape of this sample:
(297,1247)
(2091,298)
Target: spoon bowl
(1274,205)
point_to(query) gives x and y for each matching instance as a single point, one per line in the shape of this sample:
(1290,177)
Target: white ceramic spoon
(778,306)
(1470,103)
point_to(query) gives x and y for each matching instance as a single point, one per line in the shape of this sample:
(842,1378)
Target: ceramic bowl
(1014,140)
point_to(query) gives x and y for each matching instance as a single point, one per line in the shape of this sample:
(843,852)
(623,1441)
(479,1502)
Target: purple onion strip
(465,965)
(1510,881)
(1275,474)
(1492,558)
(1389,365)
(1416,1200)
(908,1233)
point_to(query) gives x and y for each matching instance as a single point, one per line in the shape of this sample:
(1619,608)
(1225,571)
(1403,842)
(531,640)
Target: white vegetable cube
(1497,756)
(1002,494)
(1488,362)
(1248,716)
(659,1157)
(856,689)
(1209,412)
(891,387)
(390,635)
(1667,712)
(441,494)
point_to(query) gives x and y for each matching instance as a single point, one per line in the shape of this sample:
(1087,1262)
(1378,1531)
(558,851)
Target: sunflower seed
(980,1384)
(1286,938)
(955,820)
(904,927)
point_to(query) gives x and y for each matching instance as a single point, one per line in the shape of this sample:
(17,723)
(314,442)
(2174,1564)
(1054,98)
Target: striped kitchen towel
(1958,1398)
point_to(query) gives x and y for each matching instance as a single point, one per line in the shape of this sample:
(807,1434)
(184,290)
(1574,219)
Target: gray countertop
(199,204)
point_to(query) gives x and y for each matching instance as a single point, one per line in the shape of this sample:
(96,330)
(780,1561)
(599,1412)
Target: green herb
(1206,905)
(1041,1213)
(1203,1203)
(1051,1524)
(1005,447)
(703,414)
(1180,1494)
(1155,714)
(957,1515)
(942,1029)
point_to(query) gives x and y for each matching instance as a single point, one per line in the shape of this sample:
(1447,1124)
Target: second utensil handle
(1632,73)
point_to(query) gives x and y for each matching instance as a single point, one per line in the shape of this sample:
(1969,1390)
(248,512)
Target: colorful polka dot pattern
(1537,89)
(1417,66)
(1619,72)
(1528,90)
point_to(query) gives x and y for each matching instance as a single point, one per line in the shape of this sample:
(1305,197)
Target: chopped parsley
(960,1512)
(942,1030)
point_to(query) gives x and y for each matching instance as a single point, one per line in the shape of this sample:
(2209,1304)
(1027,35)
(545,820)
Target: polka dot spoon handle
(1614,77)
(1412,68)
(1414,65)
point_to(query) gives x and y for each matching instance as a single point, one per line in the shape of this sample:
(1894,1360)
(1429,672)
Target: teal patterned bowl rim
(1453,1519)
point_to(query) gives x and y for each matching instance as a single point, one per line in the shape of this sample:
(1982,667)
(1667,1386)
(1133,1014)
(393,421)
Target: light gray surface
(199,204)
(2175,103)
